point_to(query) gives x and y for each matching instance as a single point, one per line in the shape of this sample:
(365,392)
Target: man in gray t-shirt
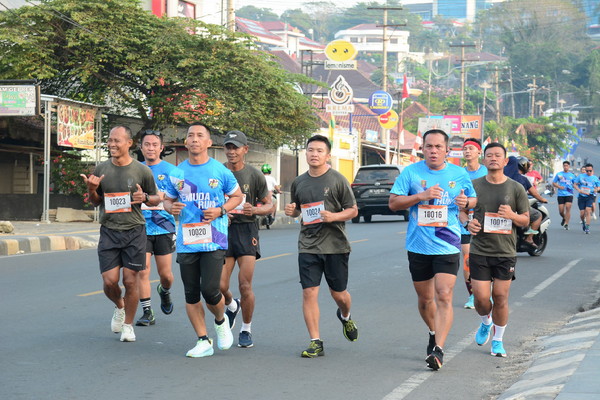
(502,206)
(324,199)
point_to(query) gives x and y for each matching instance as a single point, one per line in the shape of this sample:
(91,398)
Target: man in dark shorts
(160,229)
(587,184)
(244,246)
(563,181)
(119,186)
(324,199)
(434,190)
(200,202)
(502,206)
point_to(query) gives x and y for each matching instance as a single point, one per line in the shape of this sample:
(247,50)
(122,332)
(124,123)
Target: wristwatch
(466,224)
(147,197)
(223,211)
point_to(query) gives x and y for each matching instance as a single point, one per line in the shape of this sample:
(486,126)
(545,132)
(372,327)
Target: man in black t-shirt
(325,200)
(243,245)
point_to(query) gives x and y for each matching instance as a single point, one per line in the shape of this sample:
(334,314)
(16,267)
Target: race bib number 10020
(197,233)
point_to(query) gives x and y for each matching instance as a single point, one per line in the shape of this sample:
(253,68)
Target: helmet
(523,163)
(266,169)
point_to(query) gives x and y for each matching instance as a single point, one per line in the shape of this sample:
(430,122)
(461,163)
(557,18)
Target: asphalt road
(55,339)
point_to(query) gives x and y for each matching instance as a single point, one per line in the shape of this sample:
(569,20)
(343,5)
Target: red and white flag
(405,88)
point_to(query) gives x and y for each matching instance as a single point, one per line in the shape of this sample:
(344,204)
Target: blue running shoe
(232,314)
(483,334)
(166,305)
(498,349)
(245,339)
(470,304)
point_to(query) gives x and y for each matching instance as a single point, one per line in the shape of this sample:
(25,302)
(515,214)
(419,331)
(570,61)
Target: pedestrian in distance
(199,201)
(433,190)
(244,245)
(274,189)
(563,181)
(160,229)
(502,206)
(119,186)
(324,199)
(471,154)
(586,185)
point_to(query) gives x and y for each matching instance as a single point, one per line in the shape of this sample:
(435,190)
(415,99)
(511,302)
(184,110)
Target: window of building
(374,40)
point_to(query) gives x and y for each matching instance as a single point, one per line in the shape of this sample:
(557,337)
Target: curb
(38,244)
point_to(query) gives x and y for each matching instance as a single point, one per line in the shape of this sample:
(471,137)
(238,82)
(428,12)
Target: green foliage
(113,52)
(256,14)
(64,172)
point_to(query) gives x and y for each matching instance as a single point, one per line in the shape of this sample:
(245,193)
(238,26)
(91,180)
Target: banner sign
(340,54)
(75,126)
(380,102)
(340,97)
(19,100)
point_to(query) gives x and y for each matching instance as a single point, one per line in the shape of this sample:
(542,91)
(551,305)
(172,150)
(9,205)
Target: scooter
(541,238)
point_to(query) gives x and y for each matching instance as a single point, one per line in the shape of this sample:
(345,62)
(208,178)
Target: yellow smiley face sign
(340,50)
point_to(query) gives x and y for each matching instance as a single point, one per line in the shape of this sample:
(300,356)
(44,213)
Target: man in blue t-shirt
(199,200)
(586,185)
(563,181)
(160,229)
(434,191)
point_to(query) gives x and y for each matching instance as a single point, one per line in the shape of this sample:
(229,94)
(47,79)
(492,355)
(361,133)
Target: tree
(113,52)
(256,14)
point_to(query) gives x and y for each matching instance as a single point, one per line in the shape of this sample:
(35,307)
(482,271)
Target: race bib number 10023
(117,202)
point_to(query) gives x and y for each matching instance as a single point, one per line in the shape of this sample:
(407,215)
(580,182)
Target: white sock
(432,333)
(246,327)
(498,332)
(486,319)
(232,306)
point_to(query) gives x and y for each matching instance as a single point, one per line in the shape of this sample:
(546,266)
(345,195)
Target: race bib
(311,212)
(159,207)
(471,214)
(239,209)
(585,190)
(117,202)
(494,223)
(197,233)
(430,215)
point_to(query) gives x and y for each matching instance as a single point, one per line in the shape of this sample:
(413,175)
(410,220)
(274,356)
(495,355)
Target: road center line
(551,279)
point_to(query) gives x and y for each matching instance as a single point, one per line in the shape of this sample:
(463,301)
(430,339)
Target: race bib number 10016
(430,215)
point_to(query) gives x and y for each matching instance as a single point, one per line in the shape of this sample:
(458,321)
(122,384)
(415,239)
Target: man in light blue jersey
(586,185)
(160,229)
(471,154)
(199,200)
(434,191)
(563,181)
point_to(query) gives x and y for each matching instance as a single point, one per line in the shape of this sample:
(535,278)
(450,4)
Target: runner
(274,189)
(199,201)
(324,199)
(433,190)
(244,246)
(119,186)
(586,185)
(160,230)
(471,154)
(563,181)
(502,205)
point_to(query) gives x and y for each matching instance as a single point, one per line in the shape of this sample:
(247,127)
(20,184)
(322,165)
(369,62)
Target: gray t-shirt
(489,198)
(254,186)
(333,190)
(120,180)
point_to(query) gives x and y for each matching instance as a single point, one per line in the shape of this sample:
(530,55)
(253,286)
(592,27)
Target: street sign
(340,54)
(389,119)
(340,97)
(380,102)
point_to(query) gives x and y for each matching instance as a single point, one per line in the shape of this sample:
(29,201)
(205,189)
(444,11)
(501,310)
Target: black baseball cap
(236,138)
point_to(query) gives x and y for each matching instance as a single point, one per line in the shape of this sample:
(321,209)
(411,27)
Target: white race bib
(585,190)
(117,202)
(311,212)
(494,223)
(430,215)
(197,233)
(239,209)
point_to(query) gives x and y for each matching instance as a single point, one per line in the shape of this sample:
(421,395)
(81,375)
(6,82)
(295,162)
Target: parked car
(371,188)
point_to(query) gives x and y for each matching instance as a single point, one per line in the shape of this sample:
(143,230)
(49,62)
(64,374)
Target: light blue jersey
(566,180)
(481,171)
(587,182)
(416,178)
(204,186)
(158,221)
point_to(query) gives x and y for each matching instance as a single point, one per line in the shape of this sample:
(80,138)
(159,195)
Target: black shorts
(160,245)
(564,199)
(334,266)
(243,240)
(201,274)
(585,202)
(122,248)
(424,266)
(465,239)
(484,268)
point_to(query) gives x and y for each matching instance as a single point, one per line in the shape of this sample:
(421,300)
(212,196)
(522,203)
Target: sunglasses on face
(151,132)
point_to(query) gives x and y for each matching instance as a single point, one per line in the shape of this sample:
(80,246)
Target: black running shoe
(349,327)
(562,222)
(146,319)
(166,305)
(232,314)
(435,359)
(315,349)
(431,344)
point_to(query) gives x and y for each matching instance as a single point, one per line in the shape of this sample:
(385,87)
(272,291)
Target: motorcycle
(549,190)
(541,238)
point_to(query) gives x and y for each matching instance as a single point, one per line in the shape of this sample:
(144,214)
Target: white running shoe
(594,216)
(224,335)
(117,320)
(203,348)
(127,333)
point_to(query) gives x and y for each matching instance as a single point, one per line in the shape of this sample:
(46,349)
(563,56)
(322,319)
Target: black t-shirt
(254,186)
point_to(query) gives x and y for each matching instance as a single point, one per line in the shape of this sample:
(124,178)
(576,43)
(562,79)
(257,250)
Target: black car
(371,188)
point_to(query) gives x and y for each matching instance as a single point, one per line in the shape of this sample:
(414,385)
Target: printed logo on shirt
(424,183)
(161,177)
(326,191)
(179,185)
(452,184)
(213,183)
(246,188)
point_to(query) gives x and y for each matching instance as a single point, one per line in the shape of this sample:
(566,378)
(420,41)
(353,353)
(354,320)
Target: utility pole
(497,87)
(462,45)
(512,90)
(533,87)
(485,86)
(230,15)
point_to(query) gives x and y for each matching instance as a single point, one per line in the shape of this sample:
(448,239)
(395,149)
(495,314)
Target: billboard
(19,100)
(75,126)
(454,125)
